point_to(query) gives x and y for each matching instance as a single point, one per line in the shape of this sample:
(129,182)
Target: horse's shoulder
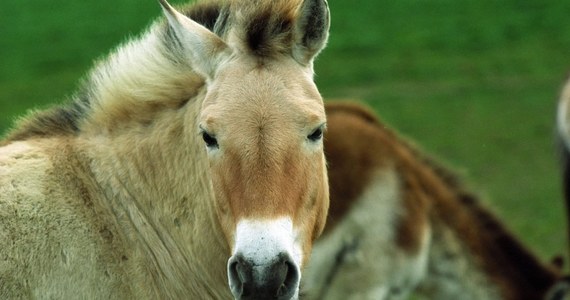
(23,165)
(43,214)
(32,185)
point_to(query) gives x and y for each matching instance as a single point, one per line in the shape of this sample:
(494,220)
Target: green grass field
(474,82)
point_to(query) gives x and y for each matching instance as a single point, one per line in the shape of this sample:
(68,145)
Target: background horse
(191,157)
(399,221)
(563,134)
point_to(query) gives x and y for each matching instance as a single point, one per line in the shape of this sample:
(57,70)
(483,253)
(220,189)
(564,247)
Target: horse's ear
(204,48)
(312,30)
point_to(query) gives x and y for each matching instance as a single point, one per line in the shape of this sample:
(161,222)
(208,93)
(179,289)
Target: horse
(401,223)
(188,165)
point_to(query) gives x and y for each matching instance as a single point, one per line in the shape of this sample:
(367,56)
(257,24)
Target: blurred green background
(474,82)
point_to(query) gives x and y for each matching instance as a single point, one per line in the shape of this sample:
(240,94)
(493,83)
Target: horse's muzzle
(278,279)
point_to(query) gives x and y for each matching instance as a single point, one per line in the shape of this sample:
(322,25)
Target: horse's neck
(473,253)
(139,134)
(155,182)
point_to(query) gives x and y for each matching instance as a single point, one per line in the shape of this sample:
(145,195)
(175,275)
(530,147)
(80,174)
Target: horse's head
(262,122)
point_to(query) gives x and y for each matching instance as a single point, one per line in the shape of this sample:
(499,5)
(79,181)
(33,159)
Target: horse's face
(262,128)
(262,121)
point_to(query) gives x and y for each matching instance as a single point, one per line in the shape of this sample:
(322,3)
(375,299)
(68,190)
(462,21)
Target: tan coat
(190,164)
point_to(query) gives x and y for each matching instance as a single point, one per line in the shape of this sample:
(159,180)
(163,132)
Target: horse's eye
(210,141)
(316,135)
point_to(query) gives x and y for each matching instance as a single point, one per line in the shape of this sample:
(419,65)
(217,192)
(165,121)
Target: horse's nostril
(290,281)
(277,279)
(283,288)
(236,275)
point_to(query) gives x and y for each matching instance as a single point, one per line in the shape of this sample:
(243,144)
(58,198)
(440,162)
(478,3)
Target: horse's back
(50,247)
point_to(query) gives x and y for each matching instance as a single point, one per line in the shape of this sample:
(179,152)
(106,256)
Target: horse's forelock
(265,28)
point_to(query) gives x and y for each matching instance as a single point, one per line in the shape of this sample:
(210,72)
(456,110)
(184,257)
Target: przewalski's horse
(398,221)
(191,157)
